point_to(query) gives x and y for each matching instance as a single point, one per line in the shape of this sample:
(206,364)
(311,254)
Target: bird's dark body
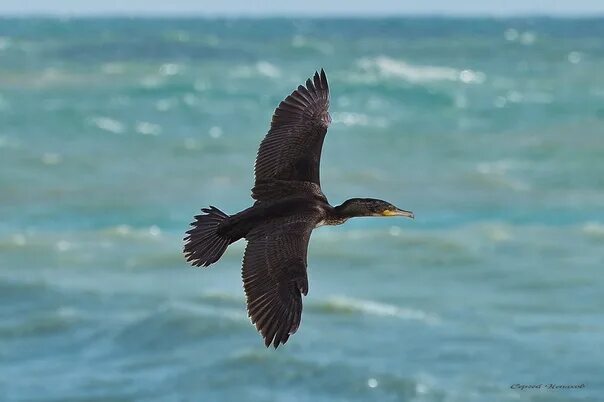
(240,224)
(289,205)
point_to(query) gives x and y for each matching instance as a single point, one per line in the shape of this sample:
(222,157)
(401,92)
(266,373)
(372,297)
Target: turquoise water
(115,132)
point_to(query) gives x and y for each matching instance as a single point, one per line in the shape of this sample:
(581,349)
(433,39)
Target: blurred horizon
(286,17)
(310,8)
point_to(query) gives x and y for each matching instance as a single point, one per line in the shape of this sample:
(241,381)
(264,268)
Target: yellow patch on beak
(398,212)
(389,212)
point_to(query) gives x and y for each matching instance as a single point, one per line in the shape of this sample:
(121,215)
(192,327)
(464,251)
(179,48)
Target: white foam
(19,239)
(499,167)
(528,38)
(381,309)
(146,128)
(499,233)
(471,77)
(123,229)
(388,67)
(170,69)
(372,383)
(575,57)
(154,231)
(514,97)
(421,388)
(356,119)
(205,310)
(267,69)
(593,228)
(109,124)
(64,245)
(215,132)
(350,119)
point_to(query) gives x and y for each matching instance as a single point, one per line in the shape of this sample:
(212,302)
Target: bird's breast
(331,221)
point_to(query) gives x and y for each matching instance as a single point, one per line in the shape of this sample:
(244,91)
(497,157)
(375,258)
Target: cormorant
(289,205)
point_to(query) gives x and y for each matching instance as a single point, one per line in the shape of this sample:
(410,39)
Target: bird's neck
(350,209)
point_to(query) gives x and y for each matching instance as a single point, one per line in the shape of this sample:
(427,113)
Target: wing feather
(274,276)
(292,148)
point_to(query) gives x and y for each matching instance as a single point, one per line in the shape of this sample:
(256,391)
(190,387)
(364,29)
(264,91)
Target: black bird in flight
(289,205)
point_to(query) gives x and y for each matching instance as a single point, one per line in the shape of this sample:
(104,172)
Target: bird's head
(370,207)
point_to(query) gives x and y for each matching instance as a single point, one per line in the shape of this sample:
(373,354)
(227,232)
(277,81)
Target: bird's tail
(203,244)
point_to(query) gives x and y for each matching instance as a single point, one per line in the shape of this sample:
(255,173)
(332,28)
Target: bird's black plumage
(291,150)
(289,205)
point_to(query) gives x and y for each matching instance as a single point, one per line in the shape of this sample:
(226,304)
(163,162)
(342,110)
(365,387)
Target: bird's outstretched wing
(274,276)
(291,151)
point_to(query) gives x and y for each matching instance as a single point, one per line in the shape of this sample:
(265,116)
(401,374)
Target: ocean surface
(115,132)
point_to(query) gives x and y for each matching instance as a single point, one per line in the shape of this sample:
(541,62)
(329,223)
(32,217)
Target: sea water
(115,132)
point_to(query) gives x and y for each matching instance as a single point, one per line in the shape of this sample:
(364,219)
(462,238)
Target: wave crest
(347,304)
(388,67)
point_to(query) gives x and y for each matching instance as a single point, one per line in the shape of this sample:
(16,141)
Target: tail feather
(203,244)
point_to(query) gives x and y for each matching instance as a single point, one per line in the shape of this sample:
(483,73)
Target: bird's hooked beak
(398,212)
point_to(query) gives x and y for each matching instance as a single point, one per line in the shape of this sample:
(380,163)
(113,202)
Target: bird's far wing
(274,276)
(273,189)
(292,148)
